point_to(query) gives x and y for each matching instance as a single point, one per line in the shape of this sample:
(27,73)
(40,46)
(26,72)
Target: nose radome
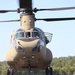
(28,44)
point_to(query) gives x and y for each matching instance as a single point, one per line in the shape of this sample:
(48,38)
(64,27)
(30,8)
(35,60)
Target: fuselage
(28,46)
(28,50)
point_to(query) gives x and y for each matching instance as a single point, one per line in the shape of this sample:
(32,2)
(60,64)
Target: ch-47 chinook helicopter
(28,49)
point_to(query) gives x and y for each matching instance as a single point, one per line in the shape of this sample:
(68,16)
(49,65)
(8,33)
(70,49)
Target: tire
(48,71)
(51,71)
(10,72)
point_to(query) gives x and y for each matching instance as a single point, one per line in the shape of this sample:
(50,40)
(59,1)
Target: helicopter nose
(28,43)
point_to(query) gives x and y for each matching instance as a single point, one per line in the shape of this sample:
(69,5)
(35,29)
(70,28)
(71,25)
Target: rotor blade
(57,19)
(5,11)
(25,4)
(54,9)
(10,21)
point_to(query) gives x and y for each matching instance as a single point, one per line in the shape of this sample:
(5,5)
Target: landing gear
(10,72)
(48,71)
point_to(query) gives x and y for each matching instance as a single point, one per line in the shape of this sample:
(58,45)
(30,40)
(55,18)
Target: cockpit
(23,34)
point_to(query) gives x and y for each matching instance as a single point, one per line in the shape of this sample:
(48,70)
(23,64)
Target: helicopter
(28,49)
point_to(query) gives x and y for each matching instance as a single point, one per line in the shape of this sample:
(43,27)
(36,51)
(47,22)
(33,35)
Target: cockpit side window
(39,32)
(35,34)
(19,35)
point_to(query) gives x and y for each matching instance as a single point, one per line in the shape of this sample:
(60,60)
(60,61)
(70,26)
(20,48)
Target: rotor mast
(27,17)
(27,21)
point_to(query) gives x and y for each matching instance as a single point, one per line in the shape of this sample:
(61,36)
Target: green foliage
(64,65)
(3,68)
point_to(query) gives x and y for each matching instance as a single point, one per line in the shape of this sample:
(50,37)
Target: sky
(63,40)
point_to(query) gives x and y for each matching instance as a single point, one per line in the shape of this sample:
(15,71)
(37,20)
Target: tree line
(61,65)
(64,65)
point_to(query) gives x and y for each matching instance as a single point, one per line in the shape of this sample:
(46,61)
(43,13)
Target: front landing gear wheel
(10,72)
(48,71)
(51,71)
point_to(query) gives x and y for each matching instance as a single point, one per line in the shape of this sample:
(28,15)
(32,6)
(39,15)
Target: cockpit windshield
(28,34)
(19,35)
(22,34)
(35,34)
